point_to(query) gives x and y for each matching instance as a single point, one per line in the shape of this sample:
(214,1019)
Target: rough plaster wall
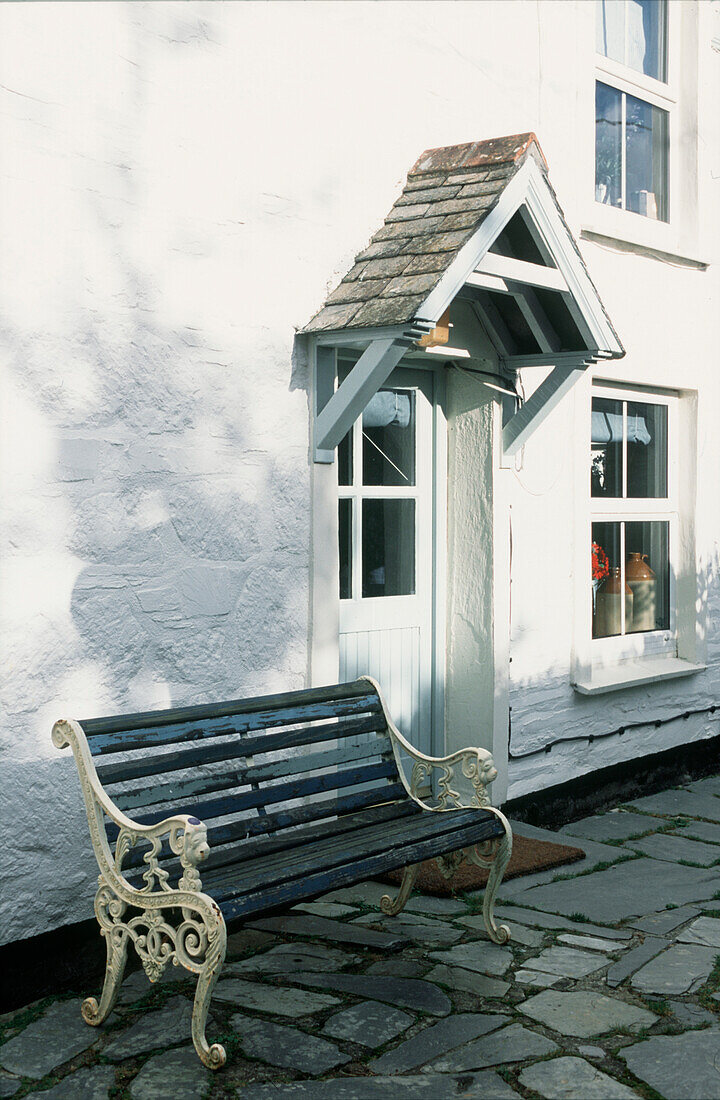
(470,665)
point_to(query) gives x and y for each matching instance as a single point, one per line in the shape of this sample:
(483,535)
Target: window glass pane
(608,145)
(388,547)
(610,29)
(647,570)
(646,135)
(345,547)
(388,426)
(607,586)
(606,452)
(345,460)
(645,37)
(646,450)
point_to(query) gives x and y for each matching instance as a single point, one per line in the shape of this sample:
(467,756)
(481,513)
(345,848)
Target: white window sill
(620,240)
(652,670)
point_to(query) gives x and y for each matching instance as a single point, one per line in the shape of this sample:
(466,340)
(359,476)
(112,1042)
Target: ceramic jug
(641,579)
(608,616)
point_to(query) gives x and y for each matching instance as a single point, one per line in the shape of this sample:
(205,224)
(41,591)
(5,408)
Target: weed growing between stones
(580,918)
(659,1007)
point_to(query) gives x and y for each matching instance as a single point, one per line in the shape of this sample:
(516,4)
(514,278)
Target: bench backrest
(251,766)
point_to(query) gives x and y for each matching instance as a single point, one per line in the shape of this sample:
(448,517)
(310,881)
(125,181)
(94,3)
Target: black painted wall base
(73,958)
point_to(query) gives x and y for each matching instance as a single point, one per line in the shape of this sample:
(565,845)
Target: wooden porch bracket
(549,393)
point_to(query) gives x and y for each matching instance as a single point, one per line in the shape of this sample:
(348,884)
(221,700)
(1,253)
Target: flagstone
(528,937)
(409,993)
(286,1046)
(287,957)
(468,981)
(611,826)
(370,1023)
(417,929)
(569,1078)
(584,1013)
(399,968)
(658,924)
(8,1086)
(568,962)
(625,890)
(690,1015)
(511,1044)
(673,849)
(678,802)
(363,893)
(166,1026)
(139,985)
(274,1000)
(709,785)
(480,955)
(48,1042)
(332,909)
(301,924)
(537,919)
(683,968)
(87,1083)
(700,830)
(425,903)
(592,943)
(704,930)
(678,1067)
(537,978)
(177,1073)
(634,959)
(248,939)
(437,1039)
(486,1085)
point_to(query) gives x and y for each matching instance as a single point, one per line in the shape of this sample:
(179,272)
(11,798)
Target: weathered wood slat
(283,792)
(146,736)
(241,746)
(336,849)
(322,880)
(285,826)
(178,790)
(119,723)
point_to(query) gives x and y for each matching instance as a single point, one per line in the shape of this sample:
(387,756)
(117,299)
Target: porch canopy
(479,224)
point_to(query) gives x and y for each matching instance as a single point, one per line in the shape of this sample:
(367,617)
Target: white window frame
(631,647)
(627,224)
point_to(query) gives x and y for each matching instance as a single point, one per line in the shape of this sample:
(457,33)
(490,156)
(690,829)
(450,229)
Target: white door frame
(324,564)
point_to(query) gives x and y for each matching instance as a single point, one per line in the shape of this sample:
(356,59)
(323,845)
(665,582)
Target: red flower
(600,564)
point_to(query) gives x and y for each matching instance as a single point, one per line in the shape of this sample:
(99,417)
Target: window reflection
(388,547)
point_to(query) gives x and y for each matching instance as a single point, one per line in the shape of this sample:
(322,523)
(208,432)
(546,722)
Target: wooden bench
(298,794)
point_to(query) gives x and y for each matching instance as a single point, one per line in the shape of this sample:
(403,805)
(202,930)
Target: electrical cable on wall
(590,737)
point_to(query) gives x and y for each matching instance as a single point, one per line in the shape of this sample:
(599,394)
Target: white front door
(387,526)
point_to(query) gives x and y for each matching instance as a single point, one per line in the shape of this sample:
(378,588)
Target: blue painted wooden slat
(243,745)
(283,826)
(123,740)
(199,785)
(279,895)
(283,792)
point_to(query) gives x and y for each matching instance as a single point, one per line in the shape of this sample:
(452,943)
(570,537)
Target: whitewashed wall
(180,186)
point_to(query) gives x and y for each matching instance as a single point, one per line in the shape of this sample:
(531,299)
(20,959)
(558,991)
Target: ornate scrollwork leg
(392,908)
(201,949)
(117,948)
(494,856)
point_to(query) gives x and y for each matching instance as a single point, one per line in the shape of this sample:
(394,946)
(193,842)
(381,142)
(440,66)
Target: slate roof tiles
(448,194)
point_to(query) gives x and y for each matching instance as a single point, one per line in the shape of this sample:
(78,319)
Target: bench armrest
(187,836)
(471,770)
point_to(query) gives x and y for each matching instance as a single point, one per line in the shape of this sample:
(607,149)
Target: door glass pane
(607,586)
(606,451)
(345,460)
(345,547)
(646,136)
(647,569)
(388,426)
(388,547)
(646,450)
(608,145)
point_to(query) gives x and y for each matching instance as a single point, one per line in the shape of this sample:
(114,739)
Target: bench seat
(280,799)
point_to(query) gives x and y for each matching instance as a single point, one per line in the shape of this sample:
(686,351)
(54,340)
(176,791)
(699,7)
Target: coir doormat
(528,857)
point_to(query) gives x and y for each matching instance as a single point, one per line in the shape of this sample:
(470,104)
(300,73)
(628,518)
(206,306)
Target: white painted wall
(180,186)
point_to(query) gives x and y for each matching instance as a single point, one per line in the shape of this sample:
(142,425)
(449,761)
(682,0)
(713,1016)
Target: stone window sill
(652,670)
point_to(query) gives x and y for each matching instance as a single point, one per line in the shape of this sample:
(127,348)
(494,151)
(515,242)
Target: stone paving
(609,988)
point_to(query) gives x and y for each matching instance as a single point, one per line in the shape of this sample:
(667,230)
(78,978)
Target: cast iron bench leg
(392,908)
